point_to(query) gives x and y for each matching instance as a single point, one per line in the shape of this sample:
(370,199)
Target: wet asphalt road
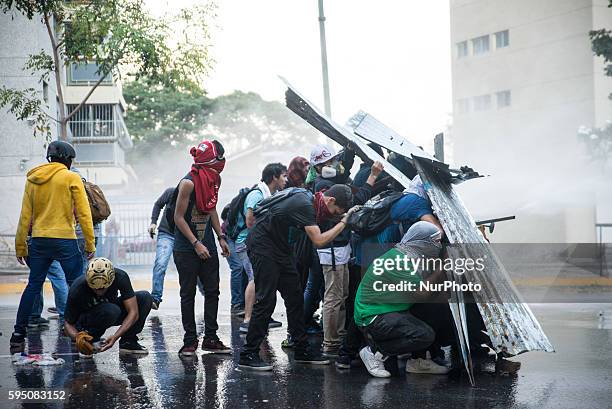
(578,375)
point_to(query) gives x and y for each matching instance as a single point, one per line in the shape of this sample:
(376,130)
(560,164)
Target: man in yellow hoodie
(53,196)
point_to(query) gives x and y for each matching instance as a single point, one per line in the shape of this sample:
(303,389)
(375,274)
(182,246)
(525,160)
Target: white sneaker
(421,365)
(374,363)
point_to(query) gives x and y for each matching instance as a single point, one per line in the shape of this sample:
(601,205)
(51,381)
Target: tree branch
(58,79)
(91,90)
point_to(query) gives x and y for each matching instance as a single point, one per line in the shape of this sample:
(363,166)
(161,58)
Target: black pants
(353,340)
(438,317)
(191,267)
(105,315)
(272,275)
(397,333)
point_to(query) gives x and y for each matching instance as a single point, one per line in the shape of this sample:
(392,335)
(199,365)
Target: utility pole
(324,60)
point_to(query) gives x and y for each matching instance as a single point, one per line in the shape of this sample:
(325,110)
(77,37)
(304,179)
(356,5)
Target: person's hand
(376,169)
(108,343)
(348,214)
(201,250)
(90,255)
(152,228)
(225,250)
(21,260)
(83,343)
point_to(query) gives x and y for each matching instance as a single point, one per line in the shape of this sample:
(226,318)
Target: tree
(168,120)
(602,46)
(121,37)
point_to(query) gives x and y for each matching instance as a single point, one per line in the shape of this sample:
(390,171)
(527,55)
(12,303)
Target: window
(480,45)
(482,103)
(504,99)
(462,49)
(45,91)
(463,105)
(86,73)
(93,120)
(502,39)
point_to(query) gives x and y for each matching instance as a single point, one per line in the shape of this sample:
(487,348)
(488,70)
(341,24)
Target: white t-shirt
(342,254)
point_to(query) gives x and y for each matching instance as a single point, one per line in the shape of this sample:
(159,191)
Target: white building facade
(524,81)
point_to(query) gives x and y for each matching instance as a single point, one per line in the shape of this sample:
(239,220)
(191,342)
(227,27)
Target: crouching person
(386,296)
(94,305)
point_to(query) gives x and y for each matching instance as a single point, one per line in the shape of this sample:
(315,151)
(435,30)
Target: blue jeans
(314,290)
(237,276)
(60,291)
(42,252)
(163,251)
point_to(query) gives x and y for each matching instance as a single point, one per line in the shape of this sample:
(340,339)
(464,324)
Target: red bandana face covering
(205,171)
(321,211)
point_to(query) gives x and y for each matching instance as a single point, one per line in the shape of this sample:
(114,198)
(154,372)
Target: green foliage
(26,105)
(163,120)
(123,39)
(602,46)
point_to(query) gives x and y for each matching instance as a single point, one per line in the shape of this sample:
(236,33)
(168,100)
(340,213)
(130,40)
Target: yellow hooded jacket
(52,196)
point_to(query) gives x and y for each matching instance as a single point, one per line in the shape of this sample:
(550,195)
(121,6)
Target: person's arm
(83,213)
(322,239)
(70,330)
(157,207)
(131,306)
(182,202)
(376,170)
(25,218)
(250,219)
(216,225)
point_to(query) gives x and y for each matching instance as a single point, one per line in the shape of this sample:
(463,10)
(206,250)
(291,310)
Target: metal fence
(123,238)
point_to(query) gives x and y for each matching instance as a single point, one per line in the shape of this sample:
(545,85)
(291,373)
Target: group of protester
(290,232)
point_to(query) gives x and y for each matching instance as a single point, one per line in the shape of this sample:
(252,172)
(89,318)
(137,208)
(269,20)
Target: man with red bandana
(274,266)
(195,253)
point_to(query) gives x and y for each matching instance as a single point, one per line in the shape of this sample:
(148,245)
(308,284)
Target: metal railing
(603,263)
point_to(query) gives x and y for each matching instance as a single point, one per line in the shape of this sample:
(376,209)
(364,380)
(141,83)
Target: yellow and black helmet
(100,273)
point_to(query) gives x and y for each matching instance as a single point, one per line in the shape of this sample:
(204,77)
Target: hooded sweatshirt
(52,196)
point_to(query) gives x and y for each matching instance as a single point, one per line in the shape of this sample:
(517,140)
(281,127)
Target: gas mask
(332,170)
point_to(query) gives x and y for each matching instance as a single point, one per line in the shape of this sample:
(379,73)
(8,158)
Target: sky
(390,58)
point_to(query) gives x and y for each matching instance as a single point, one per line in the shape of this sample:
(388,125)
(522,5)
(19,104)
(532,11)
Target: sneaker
(254,362)
(155,304)
(132,347)
(374,363)
(343,362)
(288,342)
(38,322)
(244,327)
(188,350)
(274,324)
(52,310)
(215,346)
(310,356)
(17,340)
(421,365)
(505,366)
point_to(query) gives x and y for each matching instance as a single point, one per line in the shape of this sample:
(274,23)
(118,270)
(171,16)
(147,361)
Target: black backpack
(375,215)
(170,206)
(235,208)
(263,206)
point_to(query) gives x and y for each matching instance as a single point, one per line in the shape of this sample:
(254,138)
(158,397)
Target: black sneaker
(215,346)
(310,356)
(274,324)
(155,304)
(237,310)
(17,340)
(38,322)
(254,362)
(188,350)
(343,362)
(132,347)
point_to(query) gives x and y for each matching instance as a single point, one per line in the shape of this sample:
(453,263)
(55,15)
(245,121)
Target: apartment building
(97,131)
(524,81)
